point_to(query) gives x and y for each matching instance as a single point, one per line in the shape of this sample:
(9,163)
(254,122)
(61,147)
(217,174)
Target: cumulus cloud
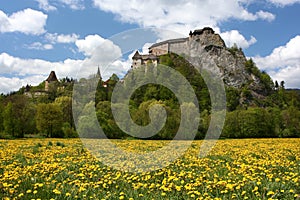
(180,15)
(39,46)
(44,4)
(61,38)
(234,37)
(74,4)
(99,52)
(283,63)
(283,3)
(88,45)
(290,75)
(27,21)
(265,16)
(14,83)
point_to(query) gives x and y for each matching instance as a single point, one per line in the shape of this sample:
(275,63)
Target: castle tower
(51,78)
(136,60)
(98,75)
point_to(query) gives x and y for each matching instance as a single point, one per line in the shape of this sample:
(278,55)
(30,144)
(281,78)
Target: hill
(257,107)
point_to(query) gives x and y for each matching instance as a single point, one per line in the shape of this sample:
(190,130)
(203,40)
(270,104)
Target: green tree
(250,123)
(49,118)
(65,104)
(291,122)
(20,112)
(87,123)
(1,116)
(9,120)
(232,98)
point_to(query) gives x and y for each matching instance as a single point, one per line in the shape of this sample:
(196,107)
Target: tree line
(275,115)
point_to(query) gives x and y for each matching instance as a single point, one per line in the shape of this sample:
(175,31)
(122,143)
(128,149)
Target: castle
(41,92)
(205,36)
(51,79)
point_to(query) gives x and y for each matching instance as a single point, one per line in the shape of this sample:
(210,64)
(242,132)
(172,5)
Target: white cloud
(283,3)
(13,84)
(89,44)
(74,4)
(287,55)
(27,21)
(39,46)
(44,4)
(265,16)
(234,37)
(283,63)
(61,38)
(290,75)
(98,51)
(180,15)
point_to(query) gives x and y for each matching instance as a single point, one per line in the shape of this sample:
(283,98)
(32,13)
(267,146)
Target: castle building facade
(205,37)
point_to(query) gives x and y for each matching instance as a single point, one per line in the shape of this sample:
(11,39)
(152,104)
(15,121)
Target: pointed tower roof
(137,55)
(99,73)
(52,77)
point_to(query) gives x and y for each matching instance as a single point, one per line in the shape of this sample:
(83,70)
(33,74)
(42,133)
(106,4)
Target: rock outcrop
(231,62)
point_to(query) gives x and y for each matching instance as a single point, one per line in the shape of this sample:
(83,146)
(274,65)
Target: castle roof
(178,40)
(149,57)
(52,77)
(137,55)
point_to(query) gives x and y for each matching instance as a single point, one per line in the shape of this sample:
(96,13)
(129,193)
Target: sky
(38,36)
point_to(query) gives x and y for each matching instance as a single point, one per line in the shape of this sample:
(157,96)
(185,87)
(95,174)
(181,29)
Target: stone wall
(179,48)
(160,49)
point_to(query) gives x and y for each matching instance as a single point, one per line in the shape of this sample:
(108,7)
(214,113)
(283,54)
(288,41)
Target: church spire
(98,75)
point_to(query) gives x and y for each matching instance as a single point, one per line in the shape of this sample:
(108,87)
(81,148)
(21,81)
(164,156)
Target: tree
(87,125)
(250,123)
(8,120)
(1,116)
(19,116)
(49,119)
(282,84)
(232,98)
(291,123)
(276,85)
(65,104)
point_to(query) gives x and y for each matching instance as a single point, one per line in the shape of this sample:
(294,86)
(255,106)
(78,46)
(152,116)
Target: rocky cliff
(234,68)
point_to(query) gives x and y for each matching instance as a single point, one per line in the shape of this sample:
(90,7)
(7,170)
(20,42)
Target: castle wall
(160,49)
(136,63)
(46,85)
(179,48)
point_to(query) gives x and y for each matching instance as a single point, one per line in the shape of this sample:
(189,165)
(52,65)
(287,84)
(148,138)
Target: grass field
(234,169)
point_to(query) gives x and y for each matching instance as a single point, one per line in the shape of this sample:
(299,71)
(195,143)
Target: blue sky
(38,36)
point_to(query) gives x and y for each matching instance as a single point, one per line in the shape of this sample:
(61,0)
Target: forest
(275,115)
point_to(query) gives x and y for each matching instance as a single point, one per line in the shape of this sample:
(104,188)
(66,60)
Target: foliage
(49,119)
(250,123)
(274,115)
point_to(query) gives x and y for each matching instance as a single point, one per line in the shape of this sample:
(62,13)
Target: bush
(69,131)
(5,136)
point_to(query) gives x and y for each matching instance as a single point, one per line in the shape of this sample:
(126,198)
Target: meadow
(234,169)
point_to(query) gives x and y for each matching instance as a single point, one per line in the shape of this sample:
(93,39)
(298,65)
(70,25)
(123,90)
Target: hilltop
(234,68)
